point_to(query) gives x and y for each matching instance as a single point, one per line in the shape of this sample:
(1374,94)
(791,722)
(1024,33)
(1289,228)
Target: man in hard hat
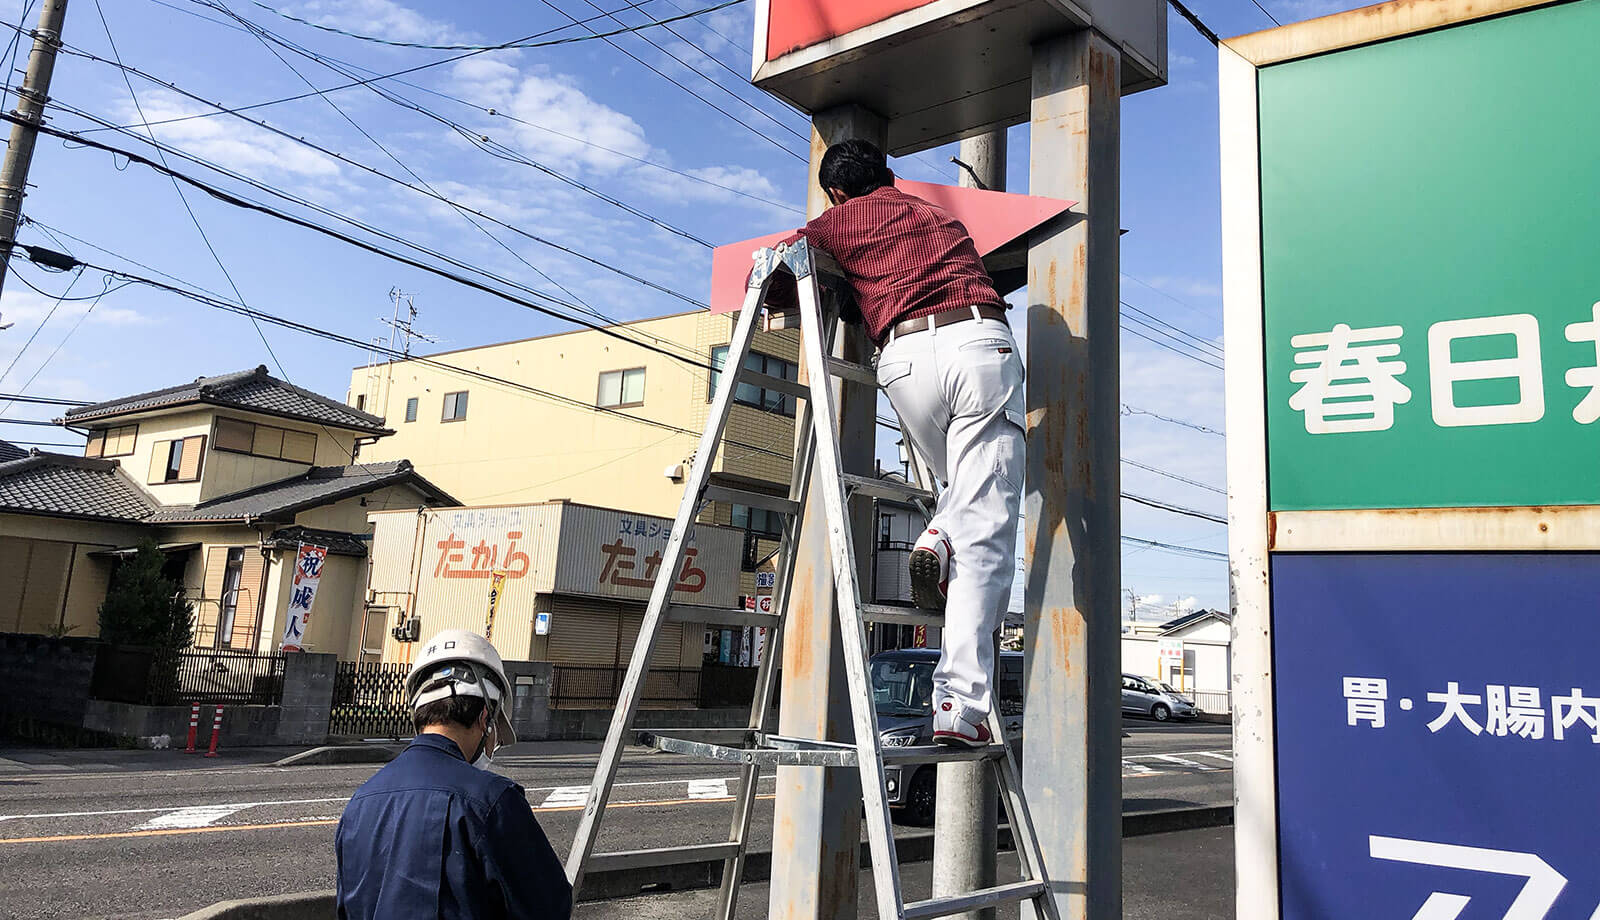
(951,368)
(435,834)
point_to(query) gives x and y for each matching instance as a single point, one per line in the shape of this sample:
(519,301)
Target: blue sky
(585,110)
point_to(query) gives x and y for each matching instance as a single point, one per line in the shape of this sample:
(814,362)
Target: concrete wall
(301,719)
(45,680)
(591,724)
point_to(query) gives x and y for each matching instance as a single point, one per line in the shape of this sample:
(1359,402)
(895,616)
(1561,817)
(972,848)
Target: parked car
(1146,696)
(902,689)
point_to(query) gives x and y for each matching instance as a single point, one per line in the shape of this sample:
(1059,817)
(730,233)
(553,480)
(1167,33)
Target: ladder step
(853,372)
(984,897)
(788,753)
(892,489)
(778,503)
(720,616)
(660,856)
(905,616)
(777,384)
(943,753)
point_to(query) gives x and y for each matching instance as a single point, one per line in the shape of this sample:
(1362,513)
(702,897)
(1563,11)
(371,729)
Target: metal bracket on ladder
(755,748)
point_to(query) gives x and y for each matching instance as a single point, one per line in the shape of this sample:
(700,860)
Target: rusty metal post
(816,833)
(966,801)
(1071,746)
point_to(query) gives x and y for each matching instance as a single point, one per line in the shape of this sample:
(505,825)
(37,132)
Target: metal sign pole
(816,839)
(1072,743)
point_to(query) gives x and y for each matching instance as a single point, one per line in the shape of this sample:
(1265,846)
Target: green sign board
(1431,267)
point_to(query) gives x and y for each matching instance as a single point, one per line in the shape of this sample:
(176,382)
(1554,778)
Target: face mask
(485,758)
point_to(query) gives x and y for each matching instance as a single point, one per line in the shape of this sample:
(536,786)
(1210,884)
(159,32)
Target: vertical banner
(302,593)
(497,587)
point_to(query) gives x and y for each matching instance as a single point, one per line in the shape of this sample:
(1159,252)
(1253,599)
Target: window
(269,441)
(229,602)
(361,403)
(111,442)
(177,460)
(758,520)
(749,394)
(455,406)
(621,388)
(411,409)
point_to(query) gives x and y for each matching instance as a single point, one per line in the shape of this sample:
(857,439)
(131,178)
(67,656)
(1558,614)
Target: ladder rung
(660,856)
(943,753)
(818,754)
(983,897)
(721,616)
(750,499)
(778,384)
(855,373)
(905,616)
(892,489)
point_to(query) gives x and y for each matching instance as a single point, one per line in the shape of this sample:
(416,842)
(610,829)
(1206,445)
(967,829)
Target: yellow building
(230,475)
(592,417)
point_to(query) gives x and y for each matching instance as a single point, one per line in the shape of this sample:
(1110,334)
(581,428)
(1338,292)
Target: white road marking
(236,806)
(1228,758)
(566,797)
(198,816)
(1129,766)
(1182,762)
(708,789)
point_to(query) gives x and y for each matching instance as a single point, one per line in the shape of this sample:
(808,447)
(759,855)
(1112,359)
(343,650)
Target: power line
(1190,355)
(1199,342)
(1172,475)
(1135,410)
(106,288)
(515,43)
(286,323)
(1194,20)
(1192,551)
(44,400)
(1267,12)
(230,198)
(1175,509)
(39,328)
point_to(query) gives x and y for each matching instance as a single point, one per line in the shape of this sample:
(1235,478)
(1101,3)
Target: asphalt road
(159,834)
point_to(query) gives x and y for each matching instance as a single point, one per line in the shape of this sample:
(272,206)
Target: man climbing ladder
(951,369)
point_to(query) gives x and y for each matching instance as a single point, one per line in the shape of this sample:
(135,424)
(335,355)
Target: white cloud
(228,141)
(1190,287)
(26,308)
(379,18)
(1181,60)
(1309,9)
(559,124)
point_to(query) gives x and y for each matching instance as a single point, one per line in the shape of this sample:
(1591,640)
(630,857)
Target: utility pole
(1071,762)
(966,799)
(33,95)
(816,837)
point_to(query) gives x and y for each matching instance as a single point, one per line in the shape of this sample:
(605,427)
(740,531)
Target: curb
(340,753)
(627,883)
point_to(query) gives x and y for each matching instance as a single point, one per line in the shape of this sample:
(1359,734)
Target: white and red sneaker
(930,569)
(950,728)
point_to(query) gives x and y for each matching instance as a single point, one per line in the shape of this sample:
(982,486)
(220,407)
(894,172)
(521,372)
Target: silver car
(1145,696)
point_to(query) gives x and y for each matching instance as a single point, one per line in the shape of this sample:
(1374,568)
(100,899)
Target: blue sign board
(1438,735)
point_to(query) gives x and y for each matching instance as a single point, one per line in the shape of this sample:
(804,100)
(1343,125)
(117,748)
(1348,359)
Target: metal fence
(215,677)
(1217,701)
(598,688)
(369,700)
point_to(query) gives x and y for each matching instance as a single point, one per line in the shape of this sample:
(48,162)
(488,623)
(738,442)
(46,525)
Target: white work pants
(959,394)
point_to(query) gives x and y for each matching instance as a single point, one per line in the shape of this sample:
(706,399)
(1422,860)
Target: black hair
(459,710)
(854,167)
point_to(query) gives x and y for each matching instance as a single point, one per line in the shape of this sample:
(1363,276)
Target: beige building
(230,475)
(605,435)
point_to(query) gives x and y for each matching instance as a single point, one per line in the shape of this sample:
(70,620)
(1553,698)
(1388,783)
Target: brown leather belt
(944,318)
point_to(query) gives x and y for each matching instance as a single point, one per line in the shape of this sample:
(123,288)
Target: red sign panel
(796,24)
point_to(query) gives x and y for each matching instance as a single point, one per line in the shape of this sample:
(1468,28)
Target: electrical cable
(1171,475)
(39,328)
(1204,30)
(1266,12)
(6,62)
(286,323)
(1136,333)
(106,288)
(1191,551)
(1180,345)
(1197,341)
(1135,410)
(44,400)
(1174,509)
(518,43)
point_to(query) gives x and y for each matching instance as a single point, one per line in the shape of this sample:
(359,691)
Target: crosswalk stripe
(1183,762)
(708,789)
(198,816)
(565,797)
(1228,758)
(1129,766)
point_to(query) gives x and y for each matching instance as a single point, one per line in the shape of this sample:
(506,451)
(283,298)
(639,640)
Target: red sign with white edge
(796,24)
(993,218)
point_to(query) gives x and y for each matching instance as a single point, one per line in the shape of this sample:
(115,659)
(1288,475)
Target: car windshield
(902,688)
(1171,689)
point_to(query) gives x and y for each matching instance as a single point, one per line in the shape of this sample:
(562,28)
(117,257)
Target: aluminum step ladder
(755,748)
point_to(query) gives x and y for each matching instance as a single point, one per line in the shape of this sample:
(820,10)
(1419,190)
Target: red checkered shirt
(904,257)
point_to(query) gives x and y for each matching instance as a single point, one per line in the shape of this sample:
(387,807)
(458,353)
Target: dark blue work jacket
(431,836)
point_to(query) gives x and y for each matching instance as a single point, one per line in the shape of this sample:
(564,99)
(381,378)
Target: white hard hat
(457,662)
